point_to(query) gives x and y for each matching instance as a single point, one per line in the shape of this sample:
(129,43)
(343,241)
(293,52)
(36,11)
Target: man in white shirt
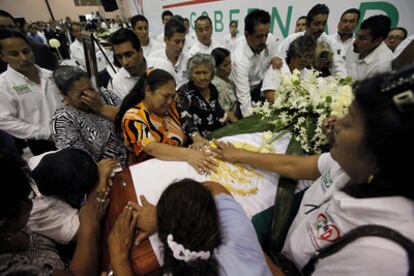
(370,55)
(140,27)
(190,37)
(128,52)
(78,53)
(173,52)
(317,19)
(346,27)
(204,30)
(165,17)
(28,96)
(232,38)
(251,59)
(395,37)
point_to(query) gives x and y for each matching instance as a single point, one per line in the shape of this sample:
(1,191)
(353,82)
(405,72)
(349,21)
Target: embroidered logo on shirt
(326,229)
(326,180)
(22,89)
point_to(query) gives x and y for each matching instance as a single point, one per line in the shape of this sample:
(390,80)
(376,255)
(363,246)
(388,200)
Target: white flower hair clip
(182,254)
(404,99)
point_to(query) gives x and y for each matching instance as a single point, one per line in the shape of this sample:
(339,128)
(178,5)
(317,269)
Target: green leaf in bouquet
(328,99)
(253,123)
(310,125)
(283,203)
(346,81)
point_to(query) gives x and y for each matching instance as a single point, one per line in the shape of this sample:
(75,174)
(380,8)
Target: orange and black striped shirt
(140,127)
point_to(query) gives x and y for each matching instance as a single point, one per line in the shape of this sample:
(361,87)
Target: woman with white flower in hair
(357,217)
(203,231)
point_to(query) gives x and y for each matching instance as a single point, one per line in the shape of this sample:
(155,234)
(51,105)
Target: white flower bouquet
(301,106)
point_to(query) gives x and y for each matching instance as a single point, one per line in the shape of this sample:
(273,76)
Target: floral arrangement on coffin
(302,105)
(104,34)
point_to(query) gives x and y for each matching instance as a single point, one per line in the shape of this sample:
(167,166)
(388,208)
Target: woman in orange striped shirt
(150,123)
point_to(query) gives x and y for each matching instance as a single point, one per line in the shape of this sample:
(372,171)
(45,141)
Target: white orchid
(302,104)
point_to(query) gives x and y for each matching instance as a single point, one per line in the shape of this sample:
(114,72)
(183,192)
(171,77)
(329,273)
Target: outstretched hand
(226,151)
(202,161)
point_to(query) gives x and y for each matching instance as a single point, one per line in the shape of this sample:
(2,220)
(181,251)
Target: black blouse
(197,114)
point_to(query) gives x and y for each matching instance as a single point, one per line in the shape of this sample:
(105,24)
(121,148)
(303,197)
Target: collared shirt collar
(372,56)
(338,38)
(179,60)
(20,75)
(125,74)
(249,52)
(202,46)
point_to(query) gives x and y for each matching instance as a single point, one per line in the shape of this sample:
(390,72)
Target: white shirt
(51,216)
(335,214)
(114,26)
(199,47)
(342,45)
(43,37)
(122,83)
(160,37)
(160,60)
(403,45)
(247,71)
(77,52)
(25,106)
(103,25)
(190,39)
(231,42)
(338,65)
(153,46)
(273,77)
(378,61)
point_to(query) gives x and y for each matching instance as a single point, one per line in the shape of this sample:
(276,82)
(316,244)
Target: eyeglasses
(391,37)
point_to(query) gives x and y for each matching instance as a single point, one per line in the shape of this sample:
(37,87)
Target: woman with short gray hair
(85,118)
(197,101)
(201,59)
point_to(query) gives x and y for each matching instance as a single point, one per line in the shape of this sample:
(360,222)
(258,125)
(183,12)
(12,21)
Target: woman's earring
(370,179)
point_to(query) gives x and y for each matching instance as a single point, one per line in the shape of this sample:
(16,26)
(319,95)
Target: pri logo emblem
(326,229)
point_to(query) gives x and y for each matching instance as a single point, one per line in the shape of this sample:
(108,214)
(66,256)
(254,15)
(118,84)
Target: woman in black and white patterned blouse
(85,118)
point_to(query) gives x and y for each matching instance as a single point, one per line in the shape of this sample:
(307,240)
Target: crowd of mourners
(161,97)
